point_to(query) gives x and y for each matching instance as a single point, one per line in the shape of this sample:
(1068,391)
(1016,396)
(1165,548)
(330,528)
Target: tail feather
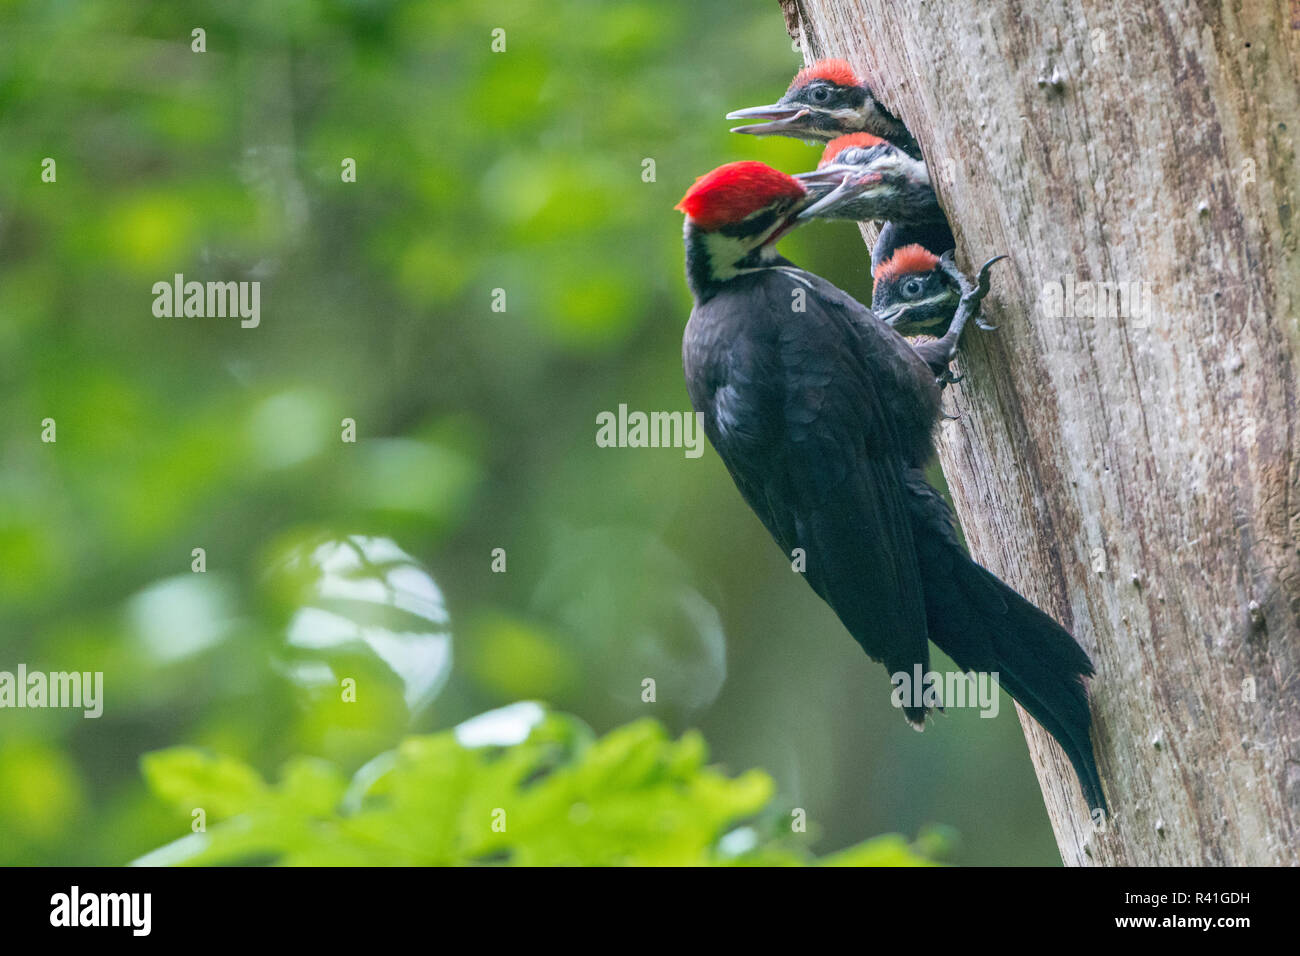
(1078,751)
(1036,660)
(985,626)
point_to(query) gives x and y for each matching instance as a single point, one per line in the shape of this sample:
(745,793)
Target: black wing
(798,418)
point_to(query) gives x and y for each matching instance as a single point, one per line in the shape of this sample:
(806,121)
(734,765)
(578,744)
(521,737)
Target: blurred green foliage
(522,171)
(560,797)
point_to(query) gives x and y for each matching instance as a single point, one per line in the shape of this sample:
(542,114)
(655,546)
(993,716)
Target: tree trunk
(1133,470)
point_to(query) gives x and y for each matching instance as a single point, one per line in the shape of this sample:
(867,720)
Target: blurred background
(522,170)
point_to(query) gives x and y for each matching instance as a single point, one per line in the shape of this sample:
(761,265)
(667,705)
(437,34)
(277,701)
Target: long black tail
(985,626)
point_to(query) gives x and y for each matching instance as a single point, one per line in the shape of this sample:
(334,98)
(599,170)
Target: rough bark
(1136,475)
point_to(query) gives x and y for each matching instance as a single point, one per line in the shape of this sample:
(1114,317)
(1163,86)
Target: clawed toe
(973,289)
(984,273)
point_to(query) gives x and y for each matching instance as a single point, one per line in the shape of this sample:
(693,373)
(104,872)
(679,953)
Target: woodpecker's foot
(973,290)
(979,284)
(949,377)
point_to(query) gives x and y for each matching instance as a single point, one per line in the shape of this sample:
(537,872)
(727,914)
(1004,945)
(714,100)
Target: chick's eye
(821,94)
(912,288)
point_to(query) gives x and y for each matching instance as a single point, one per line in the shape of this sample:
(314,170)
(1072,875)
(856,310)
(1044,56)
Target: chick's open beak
(850,186)
(782,119)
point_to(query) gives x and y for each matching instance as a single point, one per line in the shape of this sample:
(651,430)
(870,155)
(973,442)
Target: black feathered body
(824,419)
(818,415)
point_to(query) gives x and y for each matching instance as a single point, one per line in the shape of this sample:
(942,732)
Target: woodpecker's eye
(912,288)
(820,94)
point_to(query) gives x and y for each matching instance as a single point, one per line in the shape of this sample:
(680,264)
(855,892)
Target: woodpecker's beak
(820,182)
(793,219)
(831,175)
(784,119)
(851,185)
(928,316)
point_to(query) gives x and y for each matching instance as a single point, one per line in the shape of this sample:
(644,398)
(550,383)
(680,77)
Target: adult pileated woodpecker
(823,101)
(823,416)
(875,181)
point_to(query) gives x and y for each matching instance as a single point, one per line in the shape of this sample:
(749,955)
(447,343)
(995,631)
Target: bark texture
(1135,474)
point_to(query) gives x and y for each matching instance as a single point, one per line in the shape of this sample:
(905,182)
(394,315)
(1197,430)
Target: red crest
(734,191)
(851,141)
(834,71)
(908,259)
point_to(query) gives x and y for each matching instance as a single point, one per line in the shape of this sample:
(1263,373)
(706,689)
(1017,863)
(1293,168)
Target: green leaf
(186,778)
(557,797)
